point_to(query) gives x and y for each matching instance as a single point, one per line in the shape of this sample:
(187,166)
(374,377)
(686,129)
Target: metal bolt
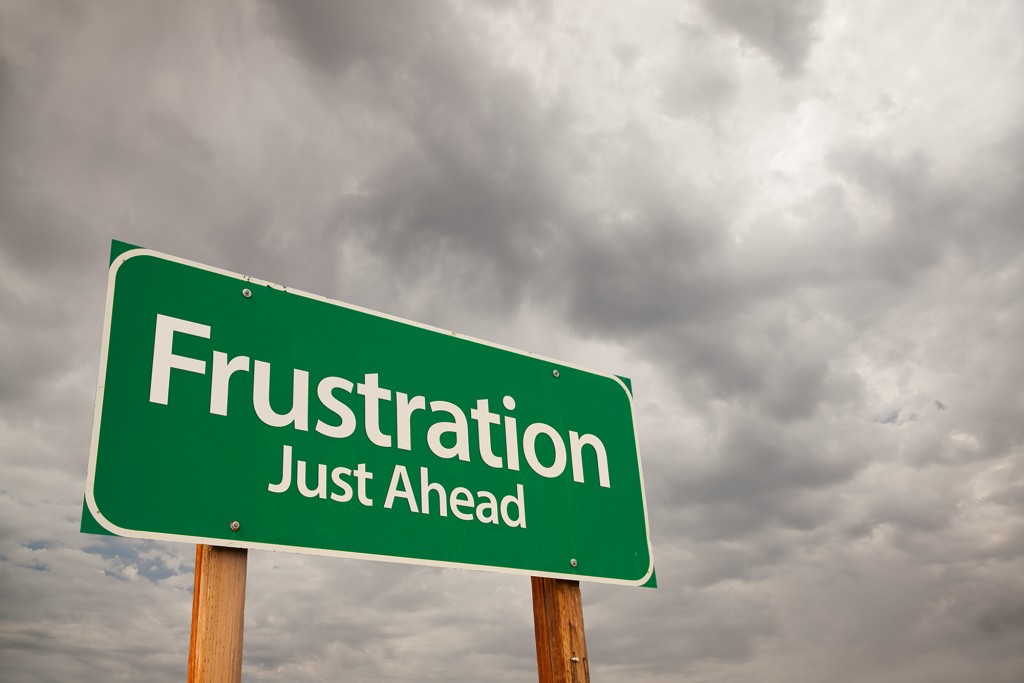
(555,373)
(235,526)
(246,293)
(572,562)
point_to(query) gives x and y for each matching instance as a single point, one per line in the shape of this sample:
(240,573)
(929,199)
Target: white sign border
(133,252)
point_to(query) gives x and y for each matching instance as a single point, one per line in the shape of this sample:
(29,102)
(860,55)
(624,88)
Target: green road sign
(236,412)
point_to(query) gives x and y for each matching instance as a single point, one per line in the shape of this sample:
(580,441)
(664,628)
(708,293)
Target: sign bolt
(247,293)
(573,562)
(555,373)
(235,526)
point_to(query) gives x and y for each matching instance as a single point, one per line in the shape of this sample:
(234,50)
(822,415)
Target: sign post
(218,615)
(558,627)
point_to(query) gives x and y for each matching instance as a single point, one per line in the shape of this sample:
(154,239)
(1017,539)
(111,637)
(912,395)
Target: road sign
(236,412)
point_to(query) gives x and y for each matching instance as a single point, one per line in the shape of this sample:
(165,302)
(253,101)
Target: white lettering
(222,371)
(400,478)
(487,511)
(325,392)
(164,359)
(457,426)
(511,442)
(286,473)
(362,476)
(373,393)
(461,497)
(346,488)
(299,412)
(517,501)
(576,444)
(530,450)
(321,480)
(484,419)
(425,488)
(404,410)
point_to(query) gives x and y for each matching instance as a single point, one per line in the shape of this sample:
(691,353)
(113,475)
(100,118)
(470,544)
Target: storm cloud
(794,225)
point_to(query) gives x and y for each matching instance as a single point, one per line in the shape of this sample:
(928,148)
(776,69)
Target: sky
(795,225)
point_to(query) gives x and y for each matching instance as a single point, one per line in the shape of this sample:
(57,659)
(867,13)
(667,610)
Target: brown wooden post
(558,626)
(218,614)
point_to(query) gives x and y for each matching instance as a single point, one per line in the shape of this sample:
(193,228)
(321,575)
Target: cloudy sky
(796,225)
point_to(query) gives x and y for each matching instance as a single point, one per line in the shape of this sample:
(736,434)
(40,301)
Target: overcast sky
(796,225)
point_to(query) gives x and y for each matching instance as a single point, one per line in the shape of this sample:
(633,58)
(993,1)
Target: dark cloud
(336,36)
(814,285)
(784,31)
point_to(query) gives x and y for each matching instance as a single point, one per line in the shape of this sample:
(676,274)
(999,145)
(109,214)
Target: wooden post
(218,612)
(558,626)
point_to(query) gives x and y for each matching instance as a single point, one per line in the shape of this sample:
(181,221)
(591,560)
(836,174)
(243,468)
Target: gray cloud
(784,31)
(815,289)
(701,83)
(337,36)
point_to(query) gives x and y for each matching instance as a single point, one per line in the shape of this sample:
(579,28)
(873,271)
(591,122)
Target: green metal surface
(181,471)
